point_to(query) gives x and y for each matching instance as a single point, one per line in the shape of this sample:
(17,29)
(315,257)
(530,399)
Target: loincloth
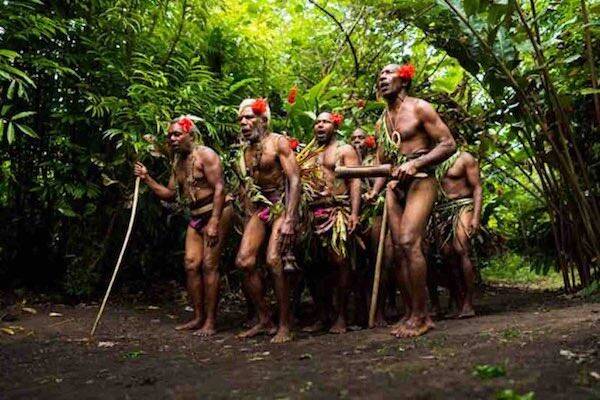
(201,214)
(444,220)
(329,217)
(269,206)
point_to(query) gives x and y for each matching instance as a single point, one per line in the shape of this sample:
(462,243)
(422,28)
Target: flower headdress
(406,72)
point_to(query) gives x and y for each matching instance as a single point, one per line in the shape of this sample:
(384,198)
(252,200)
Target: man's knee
(191,264)
(409,243)
(210,264)
(245,261)
(274,264)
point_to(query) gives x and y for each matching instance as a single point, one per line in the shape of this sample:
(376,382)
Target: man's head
(254,116)
(325,126)
(393,78)
(358,139)
(181,134)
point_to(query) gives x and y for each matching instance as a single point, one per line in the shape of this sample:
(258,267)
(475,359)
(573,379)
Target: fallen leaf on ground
(595,375)
(55,314)
(256,359)
(305,356)
(106,344)
(29,310)
(8,331)
(153,308)
(189,309)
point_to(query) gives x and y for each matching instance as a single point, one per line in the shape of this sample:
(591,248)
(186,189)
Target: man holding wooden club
(197,180)
(414,139)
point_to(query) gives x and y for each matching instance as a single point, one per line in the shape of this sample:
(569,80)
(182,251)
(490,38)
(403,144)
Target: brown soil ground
(522,331)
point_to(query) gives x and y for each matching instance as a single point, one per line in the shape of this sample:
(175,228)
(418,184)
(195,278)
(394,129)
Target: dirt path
(522,332)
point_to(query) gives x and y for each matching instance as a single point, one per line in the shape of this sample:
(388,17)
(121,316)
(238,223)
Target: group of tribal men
(432,188)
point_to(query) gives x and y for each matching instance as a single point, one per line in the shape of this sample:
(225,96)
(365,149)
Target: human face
(250,125)
(389,84)
(179,140)
(324,128)
(358,139)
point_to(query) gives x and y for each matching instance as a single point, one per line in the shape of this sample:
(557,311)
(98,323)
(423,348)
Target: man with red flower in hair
(271,195)
(335,207)
(197,181)
(414,139)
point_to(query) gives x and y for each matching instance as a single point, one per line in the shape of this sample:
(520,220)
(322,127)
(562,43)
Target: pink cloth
(264,214)
(321,212)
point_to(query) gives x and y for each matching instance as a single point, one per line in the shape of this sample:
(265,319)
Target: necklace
(396,136)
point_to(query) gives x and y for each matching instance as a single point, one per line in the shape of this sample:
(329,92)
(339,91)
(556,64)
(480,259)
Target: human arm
(166,193)
(379,183)
(350,159)
(290,167)
(437,132)
(213,171)
(474,180)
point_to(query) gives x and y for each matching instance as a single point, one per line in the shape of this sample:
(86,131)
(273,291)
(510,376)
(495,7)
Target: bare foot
(208,329)
(260,328)
(466,312)
(191,325)
(415,327)
(338,327)
(397,326)
(316,327)
(283,335)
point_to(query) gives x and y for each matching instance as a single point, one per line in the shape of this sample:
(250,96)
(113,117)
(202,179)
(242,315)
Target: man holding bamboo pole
(414,139)
(197,179)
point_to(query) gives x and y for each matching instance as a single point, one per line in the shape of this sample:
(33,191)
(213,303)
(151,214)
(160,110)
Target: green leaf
(471,7)
(10,133)
(67,212)
(27,130)
(22,114)
(588,91)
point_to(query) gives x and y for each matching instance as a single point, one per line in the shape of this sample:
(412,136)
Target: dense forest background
(86,88)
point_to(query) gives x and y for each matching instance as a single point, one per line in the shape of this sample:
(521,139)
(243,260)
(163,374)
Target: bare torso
(191,179)
(328,160)
(455,183)
(404,120)
(267,172)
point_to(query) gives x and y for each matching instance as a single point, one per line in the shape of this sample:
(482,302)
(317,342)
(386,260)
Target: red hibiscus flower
(186,124)
(361,103)
(406,72)
(259,107)
(292,95)
(294,143)
(370,142)
(337,119)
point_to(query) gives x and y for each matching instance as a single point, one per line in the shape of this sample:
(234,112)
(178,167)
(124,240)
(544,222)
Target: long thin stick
(376,278)
(114,276)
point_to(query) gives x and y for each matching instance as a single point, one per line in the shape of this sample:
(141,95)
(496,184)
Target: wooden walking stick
(114,275)
(376,278)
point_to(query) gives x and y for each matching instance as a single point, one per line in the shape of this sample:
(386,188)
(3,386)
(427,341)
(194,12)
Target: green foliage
(510,394)
(487,371)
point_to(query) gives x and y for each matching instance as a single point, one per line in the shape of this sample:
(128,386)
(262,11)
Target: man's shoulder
(205,152)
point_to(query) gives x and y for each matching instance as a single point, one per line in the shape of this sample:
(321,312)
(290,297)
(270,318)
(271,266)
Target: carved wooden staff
(114,275)
(383,170)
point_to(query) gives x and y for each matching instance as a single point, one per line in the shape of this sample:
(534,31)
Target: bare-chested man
(335,206)
(198,180)
(456,217)
(412,137)
(272,193)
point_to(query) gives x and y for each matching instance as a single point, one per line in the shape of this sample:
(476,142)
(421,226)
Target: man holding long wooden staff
(414,139)
(197,179)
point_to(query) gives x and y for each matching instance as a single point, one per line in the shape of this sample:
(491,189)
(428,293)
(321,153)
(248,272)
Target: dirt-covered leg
(462,247)
(194,252)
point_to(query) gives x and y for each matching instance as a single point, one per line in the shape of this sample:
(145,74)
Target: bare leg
(401,269)
(194,251)
(342,267)
(210,275)
(462,247)
(419,203)
(252,239)
(281,284)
